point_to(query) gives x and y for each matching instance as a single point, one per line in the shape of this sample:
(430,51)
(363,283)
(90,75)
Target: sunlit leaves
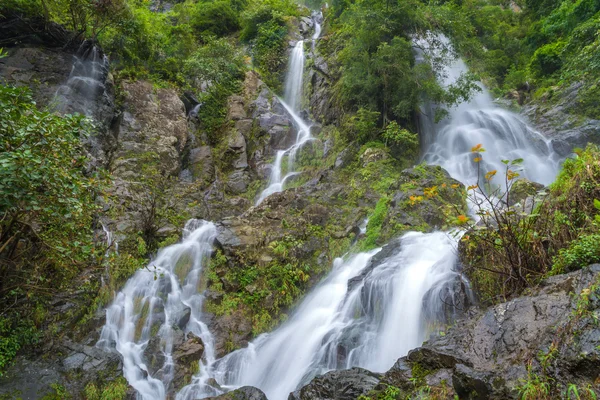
(489,175)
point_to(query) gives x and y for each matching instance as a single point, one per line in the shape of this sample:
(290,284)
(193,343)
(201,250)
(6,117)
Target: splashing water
(379,319)
(369,311)
(153,302)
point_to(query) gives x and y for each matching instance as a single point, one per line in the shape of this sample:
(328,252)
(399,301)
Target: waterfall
(294,77)
(292,102)
(157,302)
(370,310)
(373,309)
(503,134)
(86,81)
(370,325)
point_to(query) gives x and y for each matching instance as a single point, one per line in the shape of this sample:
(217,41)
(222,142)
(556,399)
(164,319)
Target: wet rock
(153,128)
(182,317)
(243,393)
(432,358)
(236,150)
(346,156)
(201,164)
(320,103)
(372,155)
(476,385)
(523,189)
(244,126)
(561,123)
(338,385)
(238,182)
(411,208)
(186,356)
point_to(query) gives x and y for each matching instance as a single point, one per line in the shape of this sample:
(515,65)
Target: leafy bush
(407,141)
(582,251)
(362,126)
(214,18)
(269,51)
(547,59)
(220,65)
(46,209)
(14,334)
(513,247)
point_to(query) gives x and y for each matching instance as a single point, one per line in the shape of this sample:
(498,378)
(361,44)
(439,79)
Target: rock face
(29,379)
(320,100)
(153,128)
(559,123)
(489,355)
(59,80)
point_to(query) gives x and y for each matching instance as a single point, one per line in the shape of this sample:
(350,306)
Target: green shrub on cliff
(46,206)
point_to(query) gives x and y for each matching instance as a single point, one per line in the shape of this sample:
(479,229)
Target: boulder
(338,385)
(522,189)
(411,208)
(243,393)
(201,164)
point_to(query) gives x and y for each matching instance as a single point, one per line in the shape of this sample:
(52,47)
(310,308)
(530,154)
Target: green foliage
(584,250)
(214,18)
(115,390)
(372,62)
(547,59)
(375,223)
(59,392)
(222,64)
(510,250)
(407,141)
(362,126)
(269,51)
(46,195)
(15,332)
(535,387)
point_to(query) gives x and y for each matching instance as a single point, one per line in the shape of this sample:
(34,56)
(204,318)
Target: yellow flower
(462,219)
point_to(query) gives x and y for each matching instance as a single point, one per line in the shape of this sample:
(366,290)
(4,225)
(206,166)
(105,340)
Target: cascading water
(86,81)
(378,320)
(393,303)
(292,103)
(371,309)
(155,301)
(502,133)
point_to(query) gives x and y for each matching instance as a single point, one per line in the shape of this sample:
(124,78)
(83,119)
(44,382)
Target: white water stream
(153,302)
(85,83)
(292,102)
(369,311)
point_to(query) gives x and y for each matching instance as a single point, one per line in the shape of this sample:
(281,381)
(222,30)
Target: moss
(419,373)
(375,223)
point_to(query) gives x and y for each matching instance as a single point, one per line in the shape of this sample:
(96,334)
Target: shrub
(547,59)
(513,247)
(220,65)
(269,51)
(407,141)
(216,18)
(46,210)
(362,126)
